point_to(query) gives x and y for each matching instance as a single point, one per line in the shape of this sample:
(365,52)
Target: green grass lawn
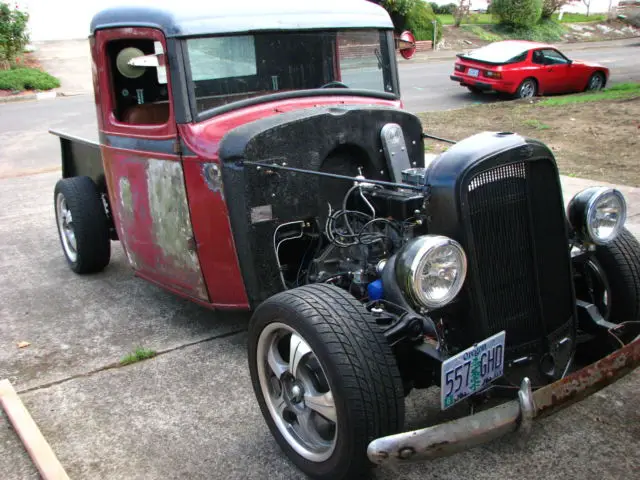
(487,18)
(620,91)
(580,18)
(480,19)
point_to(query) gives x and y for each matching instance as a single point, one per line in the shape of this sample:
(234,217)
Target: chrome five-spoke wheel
(65,224)
(297,392)
(325,379)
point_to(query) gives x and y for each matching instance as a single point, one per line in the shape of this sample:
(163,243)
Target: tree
(13,34)
(461,11)
(517,13)
(587,3)
(549,7)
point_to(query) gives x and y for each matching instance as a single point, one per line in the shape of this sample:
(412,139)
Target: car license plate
(473,72)
(472,370)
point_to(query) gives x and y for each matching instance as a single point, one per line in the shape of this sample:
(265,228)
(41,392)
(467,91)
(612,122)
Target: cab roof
(186,18)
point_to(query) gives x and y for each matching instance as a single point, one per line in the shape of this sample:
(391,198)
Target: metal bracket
(527,406)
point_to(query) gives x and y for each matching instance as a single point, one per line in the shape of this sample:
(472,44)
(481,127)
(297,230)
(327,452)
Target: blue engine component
(375,290)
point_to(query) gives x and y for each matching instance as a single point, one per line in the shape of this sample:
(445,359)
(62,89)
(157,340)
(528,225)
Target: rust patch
(171,225)
(588,380)
(213,178)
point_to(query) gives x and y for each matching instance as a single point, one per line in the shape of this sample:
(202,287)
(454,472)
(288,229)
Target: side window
(553,57)
(140,91)
(537,57)
(520,58)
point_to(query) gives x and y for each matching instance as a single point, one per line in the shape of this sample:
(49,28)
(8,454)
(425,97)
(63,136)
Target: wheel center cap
(296,393)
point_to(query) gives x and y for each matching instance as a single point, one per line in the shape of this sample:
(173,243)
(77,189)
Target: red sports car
(525,69)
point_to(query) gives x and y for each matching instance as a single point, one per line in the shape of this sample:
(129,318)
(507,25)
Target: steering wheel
(335,84)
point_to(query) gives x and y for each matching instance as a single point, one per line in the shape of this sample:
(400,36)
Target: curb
(30,96)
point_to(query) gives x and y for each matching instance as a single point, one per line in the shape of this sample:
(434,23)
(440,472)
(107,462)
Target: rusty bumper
(458,435)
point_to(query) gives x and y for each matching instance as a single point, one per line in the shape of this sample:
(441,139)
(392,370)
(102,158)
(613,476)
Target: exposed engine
(349,246)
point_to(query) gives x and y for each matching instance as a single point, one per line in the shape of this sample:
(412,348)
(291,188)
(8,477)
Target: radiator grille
(517,243)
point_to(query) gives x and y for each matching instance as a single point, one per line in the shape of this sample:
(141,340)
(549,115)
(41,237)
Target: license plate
(473,72)
(472,370)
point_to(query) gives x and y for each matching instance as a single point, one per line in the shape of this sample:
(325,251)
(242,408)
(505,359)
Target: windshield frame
(388,44)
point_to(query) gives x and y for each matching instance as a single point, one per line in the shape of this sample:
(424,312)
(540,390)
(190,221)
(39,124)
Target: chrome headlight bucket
(597,214)
(431,270)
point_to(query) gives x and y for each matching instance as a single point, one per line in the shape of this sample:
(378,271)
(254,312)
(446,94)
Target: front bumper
(458,435)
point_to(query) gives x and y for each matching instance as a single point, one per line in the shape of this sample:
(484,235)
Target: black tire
(618,280)
(527,89)
(359,366)
(89,224)
(620,262)
(474,90)
(596,82)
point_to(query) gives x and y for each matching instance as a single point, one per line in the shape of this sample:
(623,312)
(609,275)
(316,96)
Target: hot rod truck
(256,156)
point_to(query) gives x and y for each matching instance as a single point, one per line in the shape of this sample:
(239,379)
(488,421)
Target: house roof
(194,17)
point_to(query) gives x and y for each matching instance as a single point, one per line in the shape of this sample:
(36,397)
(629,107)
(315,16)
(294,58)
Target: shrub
(13,34)
(546,31)
(517,13)
(27,79)
(420,21)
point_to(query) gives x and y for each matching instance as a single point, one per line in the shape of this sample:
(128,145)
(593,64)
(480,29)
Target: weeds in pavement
(137,355)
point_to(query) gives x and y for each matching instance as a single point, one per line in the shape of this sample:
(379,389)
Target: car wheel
(474,90)
(325,378)
(596,82)
(527,89)
(613,286)
(82,225)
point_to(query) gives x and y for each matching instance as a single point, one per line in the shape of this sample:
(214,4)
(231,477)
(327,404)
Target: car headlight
(431,270)
(597,214)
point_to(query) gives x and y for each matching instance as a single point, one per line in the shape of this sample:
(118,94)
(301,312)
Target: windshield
(498,52)
(231,68)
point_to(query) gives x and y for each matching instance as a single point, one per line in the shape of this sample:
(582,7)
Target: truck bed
(81,157)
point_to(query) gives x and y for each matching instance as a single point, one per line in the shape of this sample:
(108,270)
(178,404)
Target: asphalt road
(25,145)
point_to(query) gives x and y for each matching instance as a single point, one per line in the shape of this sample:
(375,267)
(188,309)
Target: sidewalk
(68,60)
(568,47)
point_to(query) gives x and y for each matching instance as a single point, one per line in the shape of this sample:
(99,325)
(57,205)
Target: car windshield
(226,69)
(498,52)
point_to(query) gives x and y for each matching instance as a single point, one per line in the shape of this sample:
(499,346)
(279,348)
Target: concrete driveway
(190,412)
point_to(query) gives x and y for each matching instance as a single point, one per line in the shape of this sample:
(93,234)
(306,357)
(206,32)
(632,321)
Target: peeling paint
(126,198)
(213,178)
(171,224)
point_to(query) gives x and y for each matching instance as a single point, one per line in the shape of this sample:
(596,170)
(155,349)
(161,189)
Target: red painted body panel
(550,78)
(146,188)
(208,208)
(207,271)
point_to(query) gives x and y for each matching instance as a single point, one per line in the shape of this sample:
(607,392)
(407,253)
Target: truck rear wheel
(82,225)
(325,378)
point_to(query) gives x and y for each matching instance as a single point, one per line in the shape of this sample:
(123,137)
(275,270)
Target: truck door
(139,139)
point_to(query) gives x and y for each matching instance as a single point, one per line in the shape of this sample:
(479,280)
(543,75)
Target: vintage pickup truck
(255,156)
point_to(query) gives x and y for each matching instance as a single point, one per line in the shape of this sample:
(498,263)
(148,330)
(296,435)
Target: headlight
(597,214)
(431,270)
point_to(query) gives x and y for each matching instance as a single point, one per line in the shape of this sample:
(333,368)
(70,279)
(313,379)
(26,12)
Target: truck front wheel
(82,225)
(325,378)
